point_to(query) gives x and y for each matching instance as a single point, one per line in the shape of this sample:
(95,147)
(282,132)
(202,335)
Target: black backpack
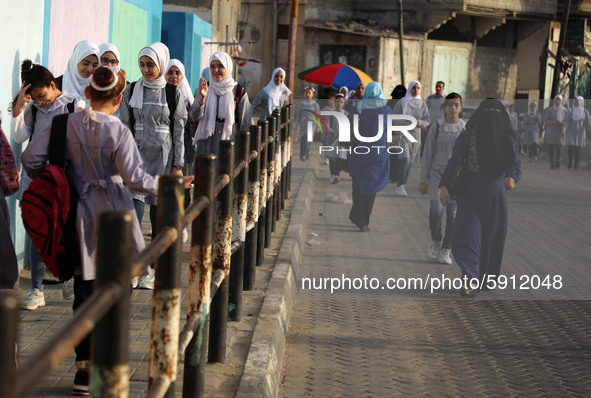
(170,100)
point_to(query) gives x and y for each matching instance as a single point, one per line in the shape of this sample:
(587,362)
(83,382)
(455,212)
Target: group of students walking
(120,137)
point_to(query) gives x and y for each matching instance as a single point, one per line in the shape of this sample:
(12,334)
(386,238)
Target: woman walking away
(81,66)
(222,108)
(29,119)
(412,105)
(146,111)
(553,119)
(438,146)
(275,95)
(369,170)
(492,168)
(531,131)
(102,162)
(577,125)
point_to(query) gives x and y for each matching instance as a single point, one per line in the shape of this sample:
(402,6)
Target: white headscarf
(558,96)
(579,111)
(346,94)
(73,83)
(226,102)
(530,112)
(274,91)
(409,100)
(184,84)
(106,47)
(157,52)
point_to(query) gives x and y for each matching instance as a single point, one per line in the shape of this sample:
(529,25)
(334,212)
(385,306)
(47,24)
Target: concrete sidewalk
(372,341)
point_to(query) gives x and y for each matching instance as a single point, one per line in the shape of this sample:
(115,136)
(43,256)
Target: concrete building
(480,48)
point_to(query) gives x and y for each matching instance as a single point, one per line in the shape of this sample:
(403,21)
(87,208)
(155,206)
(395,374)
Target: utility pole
(561,41)
(291,50)
(401,45)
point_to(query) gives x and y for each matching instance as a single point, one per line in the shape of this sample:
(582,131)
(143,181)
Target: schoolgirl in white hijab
(157,52)
(105,48)
(82,61)
(184,84)
(410,100)
(225,107)
(579,108)
(275,91)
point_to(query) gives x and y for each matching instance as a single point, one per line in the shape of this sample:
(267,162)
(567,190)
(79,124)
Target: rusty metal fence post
(252,213)
(200,278)
(289,147)
(9,309)
(166,304)
(239,206)
(270,179)
(278,168)
(110,371)
(284,157)
(222,251)
(263,161)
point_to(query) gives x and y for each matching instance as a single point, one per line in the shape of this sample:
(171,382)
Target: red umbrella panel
(335,76)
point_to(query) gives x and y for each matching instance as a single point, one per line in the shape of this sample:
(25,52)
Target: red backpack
(49,209)
(9,179)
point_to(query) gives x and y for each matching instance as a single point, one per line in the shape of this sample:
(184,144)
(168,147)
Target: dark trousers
(82,291)
(554,152)
(337,165)
(533,151)
(574,152)
(362,207)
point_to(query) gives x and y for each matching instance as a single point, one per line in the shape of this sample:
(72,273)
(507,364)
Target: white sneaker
(326,162)
(68,289)
(34,300)
(434,250)
(146,282)
(334,179)
(184,235)
(134,282)
(445,256)
(400,191)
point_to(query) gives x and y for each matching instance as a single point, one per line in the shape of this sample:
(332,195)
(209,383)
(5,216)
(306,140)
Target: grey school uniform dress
(262,100)
(412,150)
(102,156)
(553,119)
(531,128)
(211,144)
(576,129)
(437,153)
(160,150)
(24,128)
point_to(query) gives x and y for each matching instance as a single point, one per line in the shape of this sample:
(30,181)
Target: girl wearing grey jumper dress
(101,156)
(215,108)
(553,120)
(411,104)
(577,125)
(438,148)
(275,95)
(153,135)
(530,126)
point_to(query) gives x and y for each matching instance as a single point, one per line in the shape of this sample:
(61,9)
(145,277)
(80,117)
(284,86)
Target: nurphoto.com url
(433,284)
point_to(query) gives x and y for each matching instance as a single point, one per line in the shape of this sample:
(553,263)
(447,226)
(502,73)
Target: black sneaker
(81,383)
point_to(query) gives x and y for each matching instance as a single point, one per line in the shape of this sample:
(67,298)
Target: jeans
(37,267)
(404,166)
(304,146)
(139,210)
(435,221)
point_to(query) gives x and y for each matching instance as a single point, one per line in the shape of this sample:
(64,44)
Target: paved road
(382,343)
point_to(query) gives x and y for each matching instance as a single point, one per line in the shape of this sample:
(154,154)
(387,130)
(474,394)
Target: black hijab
(490,146)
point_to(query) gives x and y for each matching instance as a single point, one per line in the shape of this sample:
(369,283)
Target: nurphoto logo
(394,123)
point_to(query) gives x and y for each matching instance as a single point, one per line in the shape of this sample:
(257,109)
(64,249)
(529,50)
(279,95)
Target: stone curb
(264,363)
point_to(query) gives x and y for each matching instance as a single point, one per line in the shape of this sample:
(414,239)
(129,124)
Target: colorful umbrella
(335,76)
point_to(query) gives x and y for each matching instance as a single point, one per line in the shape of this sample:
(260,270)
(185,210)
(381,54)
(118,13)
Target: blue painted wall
(183,33)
